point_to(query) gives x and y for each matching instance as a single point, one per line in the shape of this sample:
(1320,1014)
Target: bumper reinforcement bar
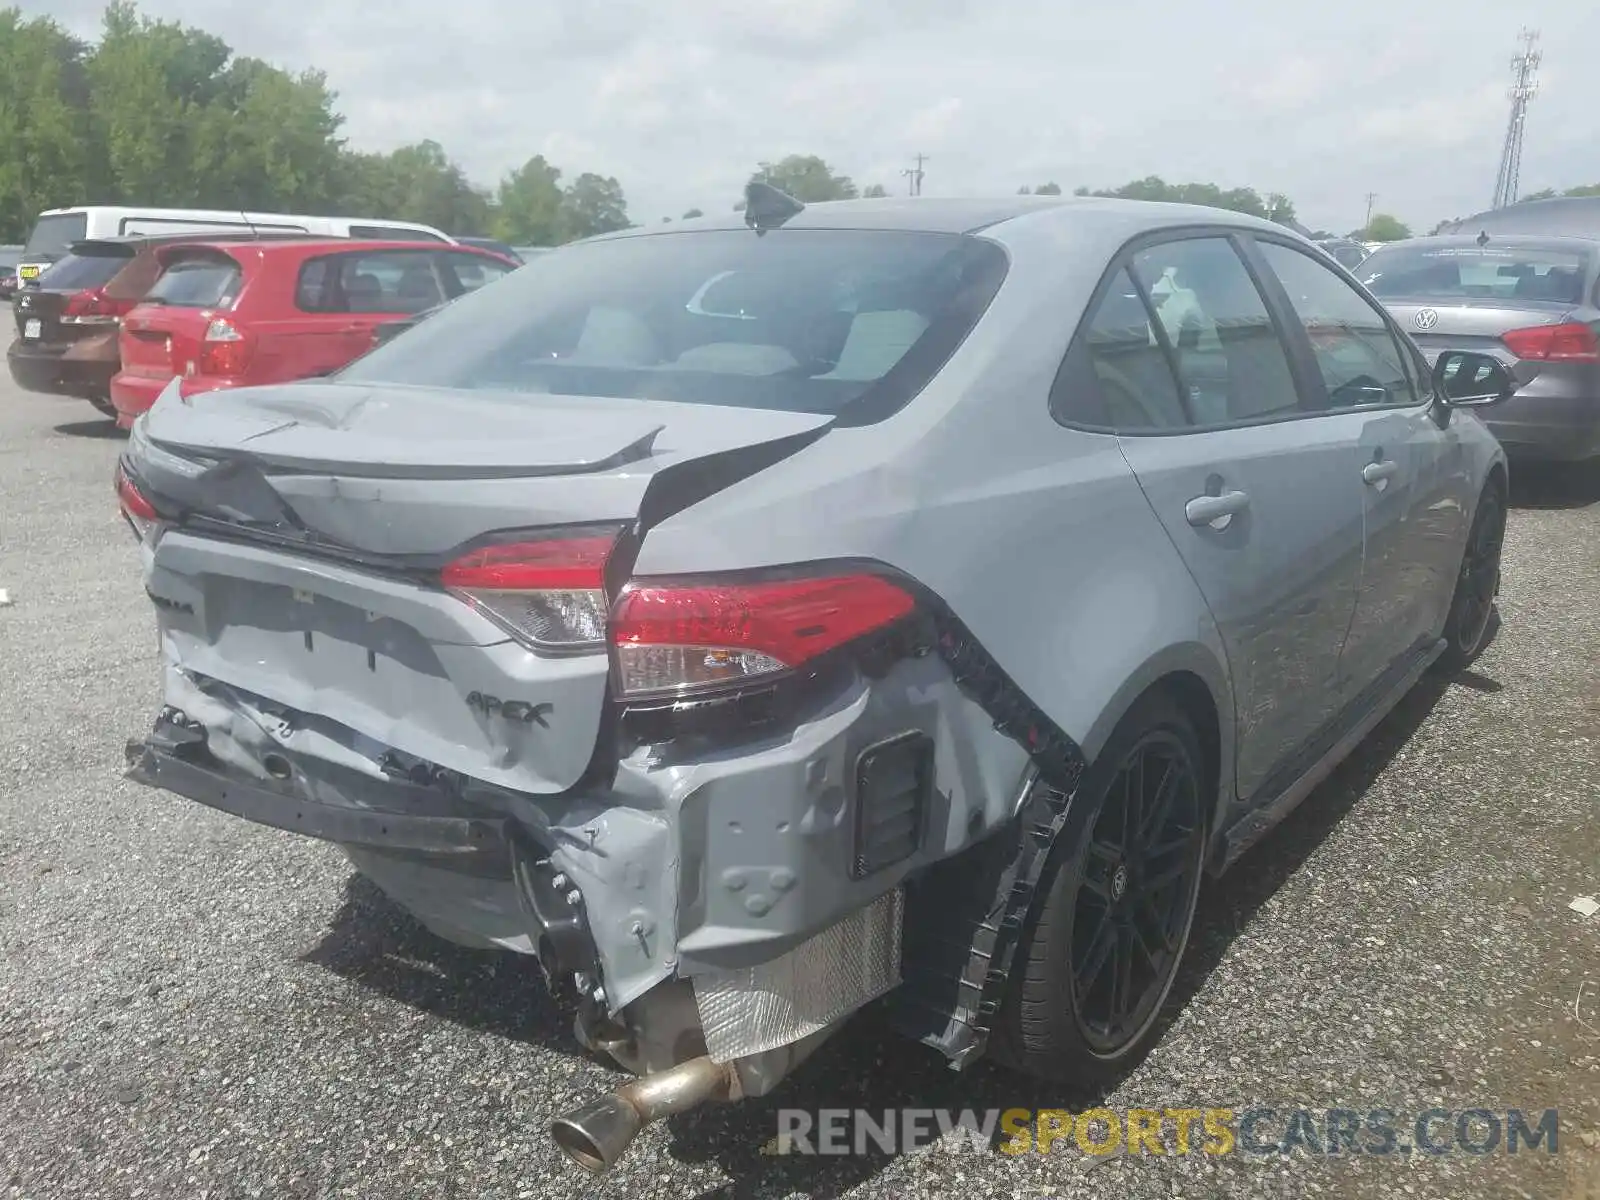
(382,829)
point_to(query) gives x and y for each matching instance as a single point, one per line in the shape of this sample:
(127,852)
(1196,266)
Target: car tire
(1061,1021)
(1472,605)
(103,406)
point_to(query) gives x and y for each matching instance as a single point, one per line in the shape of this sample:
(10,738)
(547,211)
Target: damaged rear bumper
(401,829)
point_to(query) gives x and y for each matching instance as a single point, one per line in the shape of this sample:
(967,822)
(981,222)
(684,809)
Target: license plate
(32,329)
(27,272)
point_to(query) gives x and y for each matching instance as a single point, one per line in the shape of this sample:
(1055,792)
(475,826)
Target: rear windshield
(805,320)
(76,272)
(1470,272)
(52,235)
(208,282)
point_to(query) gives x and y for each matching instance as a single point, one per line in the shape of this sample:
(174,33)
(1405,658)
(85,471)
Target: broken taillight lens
(546,590)
(682,638)
(140,514)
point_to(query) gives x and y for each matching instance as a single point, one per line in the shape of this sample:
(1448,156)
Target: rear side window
(392,281)
(1181,338)
(78,272)
(1131,384)
(202,282)
(1231,363)
(53,235)
(1360,359)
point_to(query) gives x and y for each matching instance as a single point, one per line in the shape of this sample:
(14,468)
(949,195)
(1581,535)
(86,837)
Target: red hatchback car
(230,314)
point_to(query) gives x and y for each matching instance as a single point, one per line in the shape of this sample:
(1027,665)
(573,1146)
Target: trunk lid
(330,507)
(1471,325)
(156,341)
(38,315)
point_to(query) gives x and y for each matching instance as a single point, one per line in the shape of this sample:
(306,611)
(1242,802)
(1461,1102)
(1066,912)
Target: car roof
(303,246)
(133,241)
(918,214)
(1516,241)
(1578,215)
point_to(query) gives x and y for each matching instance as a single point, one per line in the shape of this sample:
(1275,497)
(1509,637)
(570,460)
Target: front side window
(1360,359)
(380,281)
(805,320)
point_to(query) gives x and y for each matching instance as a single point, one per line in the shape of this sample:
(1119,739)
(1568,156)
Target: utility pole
(914,175)
(1524,86)
(1371,196)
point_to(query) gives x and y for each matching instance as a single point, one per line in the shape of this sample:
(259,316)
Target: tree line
(156,112)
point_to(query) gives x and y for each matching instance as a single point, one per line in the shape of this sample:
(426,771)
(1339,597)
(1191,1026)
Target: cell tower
(1525,85)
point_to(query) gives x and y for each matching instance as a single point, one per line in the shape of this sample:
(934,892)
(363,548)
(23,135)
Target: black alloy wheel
(1114,911)
(1135,894)
(1477,583)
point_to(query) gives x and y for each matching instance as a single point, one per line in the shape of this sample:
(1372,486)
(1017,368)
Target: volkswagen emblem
(1119,882)
(1426,318)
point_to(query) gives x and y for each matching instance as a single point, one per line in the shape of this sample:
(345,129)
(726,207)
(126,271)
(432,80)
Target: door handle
(1377,472)
(1215,511)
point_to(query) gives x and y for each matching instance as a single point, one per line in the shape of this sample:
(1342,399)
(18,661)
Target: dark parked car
(1528,300)
(1562,216)
(8,280)
(1347,252)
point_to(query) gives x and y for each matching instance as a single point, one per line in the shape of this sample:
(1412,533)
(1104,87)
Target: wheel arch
(1195,677)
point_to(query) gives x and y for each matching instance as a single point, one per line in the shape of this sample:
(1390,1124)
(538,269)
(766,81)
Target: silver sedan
(896,598)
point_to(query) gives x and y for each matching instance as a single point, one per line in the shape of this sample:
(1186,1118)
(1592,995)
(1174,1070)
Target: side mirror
(1463,379)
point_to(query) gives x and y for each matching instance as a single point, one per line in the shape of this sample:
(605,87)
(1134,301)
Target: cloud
(680,100)
(931,124)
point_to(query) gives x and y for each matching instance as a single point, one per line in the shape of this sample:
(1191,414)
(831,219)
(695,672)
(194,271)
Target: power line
(1524,86)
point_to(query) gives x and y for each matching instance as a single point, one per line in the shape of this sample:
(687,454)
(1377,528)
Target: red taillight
(1574,342)
(138,511)
(93,307)
(546,590)
(225,350)
(673,639)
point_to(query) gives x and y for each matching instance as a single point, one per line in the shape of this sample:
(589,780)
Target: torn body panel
(681,869)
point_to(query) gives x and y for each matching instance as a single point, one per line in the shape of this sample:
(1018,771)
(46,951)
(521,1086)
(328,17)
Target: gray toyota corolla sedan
(901,599)
(1529,300)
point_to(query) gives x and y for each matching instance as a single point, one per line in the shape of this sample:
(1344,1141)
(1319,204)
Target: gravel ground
(192,1006)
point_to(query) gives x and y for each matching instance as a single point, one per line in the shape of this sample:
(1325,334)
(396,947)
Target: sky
(679,99)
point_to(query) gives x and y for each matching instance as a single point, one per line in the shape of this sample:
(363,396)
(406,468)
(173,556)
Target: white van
(57,229)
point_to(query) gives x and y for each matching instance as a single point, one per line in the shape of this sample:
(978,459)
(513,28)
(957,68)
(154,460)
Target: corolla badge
(1426,318)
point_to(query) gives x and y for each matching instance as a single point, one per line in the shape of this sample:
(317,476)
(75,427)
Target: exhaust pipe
(596,1135)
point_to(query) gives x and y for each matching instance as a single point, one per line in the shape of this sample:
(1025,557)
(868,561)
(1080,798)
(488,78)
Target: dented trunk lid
(305,572)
